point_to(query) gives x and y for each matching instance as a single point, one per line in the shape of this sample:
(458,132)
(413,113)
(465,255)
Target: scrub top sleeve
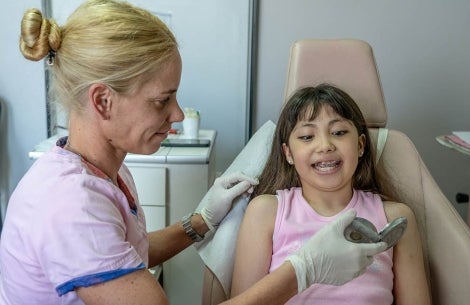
(86,234)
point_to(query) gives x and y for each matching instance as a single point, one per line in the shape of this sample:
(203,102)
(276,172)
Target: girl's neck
(328,203)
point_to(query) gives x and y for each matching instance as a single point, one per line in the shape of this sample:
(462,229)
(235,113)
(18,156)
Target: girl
(321,164)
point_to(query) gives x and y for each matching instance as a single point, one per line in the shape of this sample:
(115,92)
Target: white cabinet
(150,181)
(170,184)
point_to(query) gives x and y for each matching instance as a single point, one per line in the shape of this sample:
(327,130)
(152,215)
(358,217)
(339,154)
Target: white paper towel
(217,250)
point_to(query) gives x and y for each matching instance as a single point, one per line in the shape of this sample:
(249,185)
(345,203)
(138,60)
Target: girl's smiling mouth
(326,166)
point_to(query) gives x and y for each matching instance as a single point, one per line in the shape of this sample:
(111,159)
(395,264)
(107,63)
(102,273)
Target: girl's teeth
(326,166)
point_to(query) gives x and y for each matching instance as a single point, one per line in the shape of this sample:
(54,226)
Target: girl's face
(325,151)
(145,117)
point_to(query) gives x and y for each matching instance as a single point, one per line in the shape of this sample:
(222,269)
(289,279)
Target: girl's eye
(305,138)
(340,132)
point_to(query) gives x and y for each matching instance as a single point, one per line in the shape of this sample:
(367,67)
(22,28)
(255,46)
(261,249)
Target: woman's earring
(290,161)
(361,153)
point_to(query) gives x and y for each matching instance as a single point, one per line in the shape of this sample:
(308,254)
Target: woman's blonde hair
(103,41)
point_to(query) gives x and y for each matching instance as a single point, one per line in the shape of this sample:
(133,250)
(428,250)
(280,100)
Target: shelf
(443,141)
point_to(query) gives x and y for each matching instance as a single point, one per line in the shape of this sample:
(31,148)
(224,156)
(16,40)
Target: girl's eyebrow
(338,120)
(332,122)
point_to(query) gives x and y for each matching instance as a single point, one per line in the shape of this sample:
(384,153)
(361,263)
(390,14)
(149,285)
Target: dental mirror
(362,230)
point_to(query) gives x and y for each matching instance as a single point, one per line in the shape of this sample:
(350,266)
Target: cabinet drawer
(154,217)
(150,181)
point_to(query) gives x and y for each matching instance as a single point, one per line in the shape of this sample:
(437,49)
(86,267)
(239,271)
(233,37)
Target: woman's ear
(99,95)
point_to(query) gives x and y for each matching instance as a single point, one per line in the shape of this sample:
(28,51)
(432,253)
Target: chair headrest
(346,63)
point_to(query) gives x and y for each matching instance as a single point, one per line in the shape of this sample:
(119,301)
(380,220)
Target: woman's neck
(95,149)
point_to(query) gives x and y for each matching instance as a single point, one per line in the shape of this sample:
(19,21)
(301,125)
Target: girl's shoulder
(263,205)
(264,201)
(395,209)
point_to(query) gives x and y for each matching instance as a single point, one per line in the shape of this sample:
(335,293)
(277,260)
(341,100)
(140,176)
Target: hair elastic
(51,58)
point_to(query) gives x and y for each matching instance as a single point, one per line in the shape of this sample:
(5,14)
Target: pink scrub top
(67,226)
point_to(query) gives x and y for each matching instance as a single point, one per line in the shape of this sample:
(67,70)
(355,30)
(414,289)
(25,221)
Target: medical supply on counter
(191,123)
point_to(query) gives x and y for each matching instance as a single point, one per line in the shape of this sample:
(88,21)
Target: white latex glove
(328,258)
(221,195)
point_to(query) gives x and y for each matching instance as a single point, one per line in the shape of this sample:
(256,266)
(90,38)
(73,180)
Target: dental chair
(350,65)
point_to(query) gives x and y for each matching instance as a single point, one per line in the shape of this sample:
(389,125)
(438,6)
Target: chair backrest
(350,65)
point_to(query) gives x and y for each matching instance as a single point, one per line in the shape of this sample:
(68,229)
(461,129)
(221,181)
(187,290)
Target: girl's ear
(287,153)
(100,95)
(361,143)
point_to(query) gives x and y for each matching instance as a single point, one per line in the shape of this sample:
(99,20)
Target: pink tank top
(296,222)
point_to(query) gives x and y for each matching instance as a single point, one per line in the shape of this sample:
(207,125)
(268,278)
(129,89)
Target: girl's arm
(346,260)
(254,243)
(410,281)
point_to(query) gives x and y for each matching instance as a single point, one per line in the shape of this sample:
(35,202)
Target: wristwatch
(188,228)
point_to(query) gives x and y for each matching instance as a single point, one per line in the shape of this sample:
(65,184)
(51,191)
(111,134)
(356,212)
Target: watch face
(189,230)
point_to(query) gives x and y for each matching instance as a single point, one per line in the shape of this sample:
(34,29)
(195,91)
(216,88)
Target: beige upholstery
(350,65)
(212,291)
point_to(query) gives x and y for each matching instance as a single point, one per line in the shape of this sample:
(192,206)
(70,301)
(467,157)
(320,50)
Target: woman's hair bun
(39,35)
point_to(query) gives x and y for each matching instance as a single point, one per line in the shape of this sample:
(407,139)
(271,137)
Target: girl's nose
(325,144)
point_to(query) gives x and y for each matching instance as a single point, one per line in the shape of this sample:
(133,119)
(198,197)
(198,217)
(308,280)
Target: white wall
(22,92)
(215,77)
(422,50)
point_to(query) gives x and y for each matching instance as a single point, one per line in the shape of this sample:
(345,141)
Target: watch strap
(188,228)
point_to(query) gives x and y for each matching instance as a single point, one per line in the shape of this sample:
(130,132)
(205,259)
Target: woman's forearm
(275,288)
(166,243)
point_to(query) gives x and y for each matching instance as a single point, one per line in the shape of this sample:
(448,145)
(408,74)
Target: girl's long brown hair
(305,104)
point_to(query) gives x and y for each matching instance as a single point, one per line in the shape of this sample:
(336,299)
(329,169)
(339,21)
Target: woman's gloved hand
(328,258)
(221,195)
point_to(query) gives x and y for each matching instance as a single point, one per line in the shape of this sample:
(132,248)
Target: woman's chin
(151,149)
(148,149)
